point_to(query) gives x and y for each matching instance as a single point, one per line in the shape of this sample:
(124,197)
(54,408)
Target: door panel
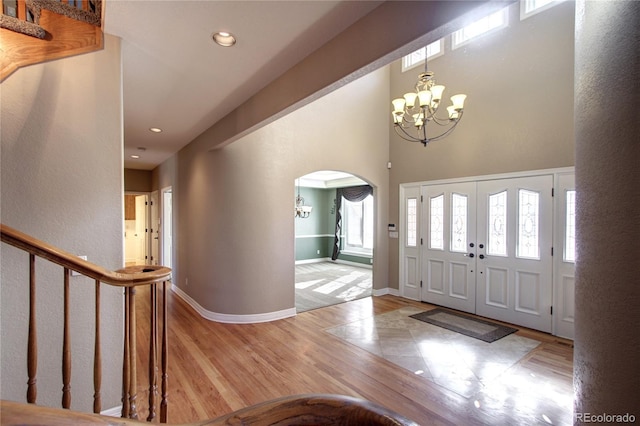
(514,250)
(449,219)
(497,294)
(565,256)
(459,280)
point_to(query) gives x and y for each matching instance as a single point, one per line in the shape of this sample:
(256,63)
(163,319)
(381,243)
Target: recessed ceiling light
(224,38)
(135,157)
(155,129)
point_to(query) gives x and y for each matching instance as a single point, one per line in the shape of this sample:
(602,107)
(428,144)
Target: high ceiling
(177,79)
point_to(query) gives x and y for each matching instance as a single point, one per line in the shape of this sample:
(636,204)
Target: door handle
(470,255)
(481,256)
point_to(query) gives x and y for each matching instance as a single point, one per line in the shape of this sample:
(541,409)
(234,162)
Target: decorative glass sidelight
(528,245)
(459,223)
(570,228)
(412,222)
(497,245)
(436,228)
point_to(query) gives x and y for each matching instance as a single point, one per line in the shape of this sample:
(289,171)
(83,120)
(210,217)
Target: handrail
(129,278)
(134,275)
(317,409)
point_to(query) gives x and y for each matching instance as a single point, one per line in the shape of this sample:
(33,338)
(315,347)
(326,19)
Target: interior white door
(515,218)
(410,279)
(448,249)
(155,228)
(167,232)
(140,235)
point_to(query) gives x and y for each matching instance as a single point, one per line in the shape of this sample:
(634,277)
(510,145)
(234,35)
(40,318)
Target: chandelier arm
(441,121)
(446,133)
(406,136)
(406,124)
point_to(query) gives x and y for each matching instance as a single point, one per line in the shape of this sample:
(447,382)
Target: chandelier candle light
(301,210)
(414,110)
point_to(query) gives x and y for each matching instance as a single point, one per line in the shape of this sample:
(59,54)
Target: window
(436,222)
(570,227)
(498,224)
(416,58)
(459,223)
(484,25)
(531,7)
(412,222)
(358,220)
(528,246)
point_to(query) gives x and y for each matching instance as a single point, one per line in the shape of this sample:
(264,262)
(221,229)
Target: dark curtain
(353,194)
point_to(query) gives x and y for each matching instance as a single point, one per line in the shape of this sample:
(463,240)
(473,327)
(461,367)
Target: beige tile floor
(485,373)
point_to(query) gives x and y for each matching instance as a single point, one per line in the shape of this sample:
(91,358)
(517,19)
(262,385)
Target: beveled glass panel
(436,228)
(412,222)
(459,223)
(528,245)
(497,224)
(570,228)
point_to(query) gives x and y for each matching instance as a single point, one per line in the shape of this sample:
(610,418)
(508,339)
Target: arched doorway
(328,273)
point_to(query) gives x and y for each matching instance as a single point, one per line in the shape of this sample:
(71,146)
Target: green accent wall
(316,233)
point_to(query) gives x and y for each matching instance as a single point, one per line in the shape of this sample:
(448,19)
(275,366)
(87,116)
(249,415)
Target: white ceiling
(176,78)
(329,179)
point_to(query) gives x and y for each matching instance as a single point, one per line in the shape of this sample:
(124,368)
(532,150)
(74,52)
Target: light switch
(74,273)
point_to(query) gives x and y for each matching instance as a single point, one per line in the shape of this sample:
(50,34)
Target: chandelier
(301,210)
(414,110)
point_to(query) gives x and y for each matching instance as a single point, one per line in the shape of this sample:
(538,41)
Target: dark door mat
(464,324)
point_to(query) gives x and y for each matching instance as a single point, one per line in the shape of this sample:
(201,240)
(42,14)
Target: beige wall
(137,180)
(519,117)
(236,226)
(62,183)
(519,109)
(232,254)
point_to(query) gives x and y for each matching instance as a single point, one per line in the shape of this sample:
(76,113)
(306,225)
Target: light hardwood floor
(217,368)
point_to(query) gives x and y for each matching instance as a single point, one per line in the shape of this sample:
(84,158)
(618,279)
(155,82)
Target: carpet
(486,331)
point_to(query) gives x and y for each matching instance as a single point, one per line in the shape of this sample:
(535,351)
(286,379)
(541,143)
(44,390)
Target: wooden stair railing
(35,31)
(129,279)
(294,410)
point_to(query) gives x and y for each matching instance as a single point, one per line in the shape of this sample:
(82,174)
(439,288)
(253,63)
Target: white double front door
(484,247)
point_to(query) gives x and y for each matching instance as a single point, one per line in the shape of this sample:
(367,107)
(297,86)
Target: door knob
(470,255)
(481,256)
(471,244)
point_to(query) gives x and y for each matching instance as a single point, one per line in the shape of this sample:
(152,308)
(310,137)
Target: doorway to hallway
(136,217)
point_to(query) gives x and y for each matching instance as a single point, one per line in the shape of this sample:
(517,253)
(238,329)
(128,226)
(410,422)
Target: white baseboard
(232,318)
(387,290)
(316,260)
(112,412)
(356,264)
(328,259)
